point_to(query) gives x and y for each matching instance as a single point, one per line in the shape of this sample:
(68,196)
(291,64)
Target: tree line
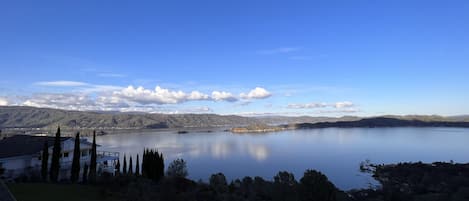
(151,166)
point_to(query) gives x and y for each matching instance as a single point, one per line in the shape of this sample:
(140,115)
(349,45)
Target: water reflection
(336,152)
(194,145)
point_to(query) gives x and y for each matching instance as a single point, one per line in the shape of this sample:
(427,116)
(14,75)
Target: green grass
(54,192)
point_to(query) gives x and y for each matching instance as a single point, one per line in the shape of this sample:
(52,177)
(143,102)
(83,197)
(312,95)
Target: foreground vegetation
(399,182)
(419,181)
(55,192)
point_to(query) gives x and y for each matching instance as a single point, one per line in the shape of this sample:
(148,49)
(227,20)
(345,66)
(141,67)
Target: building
(21,155)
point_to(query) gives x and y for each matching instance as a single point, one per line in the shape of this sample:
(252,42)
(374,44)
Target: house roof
(19,145)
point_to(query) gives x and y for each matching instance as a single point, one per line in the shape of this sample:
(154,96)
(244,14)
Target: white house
(21,155)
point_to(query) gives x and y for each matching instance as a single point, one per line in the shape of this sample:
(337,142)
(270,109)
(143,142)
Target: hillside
(30,117)
(385,122)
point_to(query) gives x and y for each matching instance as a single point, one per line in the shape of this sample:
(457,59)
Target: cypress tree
(85,174)
(124,167)
(130,166)
(160,166)
(45,161)
(137,167)
(92,174)
(55,163)
(152,164)
(117,168)
(144,162)
(76,159)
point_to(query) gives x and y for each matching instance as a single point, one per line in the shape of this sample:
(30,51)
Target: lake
(336,152)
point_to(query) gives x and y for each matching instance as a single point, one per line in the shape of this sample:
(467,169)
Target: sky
(315,58)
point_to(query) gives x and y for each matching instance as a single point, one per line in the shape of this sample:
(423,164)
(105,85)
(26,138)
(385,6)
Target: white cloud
(85,96)
(278,50)
(346,110)
(3,102)
(257,93)
(338,105)
(307,105)
(223,96)
(197,110)
(345,104)
(62,83)
(158,95)
(61,101)
(82,102)
(100,88)
(196,95)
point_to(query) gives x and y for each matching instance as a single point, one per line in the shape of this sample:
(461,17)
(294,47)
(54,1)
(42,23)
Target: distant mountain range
(376,122)
(45,118)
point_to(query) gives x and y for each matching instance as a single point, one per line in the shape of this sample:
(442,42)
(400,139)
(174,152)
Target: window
(66,155)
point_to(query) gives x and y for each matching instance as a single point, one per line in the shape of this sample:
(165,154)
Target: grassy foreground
(54,192)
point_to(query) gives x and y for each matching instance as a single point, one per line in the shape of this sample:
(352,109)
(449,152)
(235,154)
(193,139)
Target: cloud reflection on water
(193,146)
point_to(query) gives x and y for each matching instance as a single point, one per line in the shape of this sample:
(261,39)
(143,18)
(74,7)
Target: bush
(177,168)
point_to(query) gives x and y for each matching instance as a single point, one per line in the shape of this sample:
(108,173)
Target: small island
(257,128)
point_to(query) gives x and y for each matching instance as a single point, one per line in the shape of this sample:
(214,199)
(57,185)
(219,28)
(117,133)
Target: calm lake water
(336,152)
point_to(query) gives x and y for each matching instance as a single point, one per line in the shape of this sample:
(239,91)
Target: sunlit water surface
(336,152)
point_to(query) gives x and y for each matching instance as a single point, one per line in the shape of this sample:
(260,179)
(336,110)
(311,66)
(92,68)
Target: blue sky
(318,58)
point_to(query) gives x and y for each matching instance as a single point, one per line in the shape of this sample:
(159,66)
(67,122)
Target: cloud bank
(86,96)
(158,95)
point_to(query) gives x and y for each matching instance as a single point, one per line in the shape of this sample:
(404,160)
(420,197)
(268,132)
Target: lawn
(54,192)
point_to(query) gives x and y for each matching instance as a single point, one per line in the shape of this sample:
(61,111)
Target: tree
(177,168)
(316,187)
(92,174)
(118,168)
(218,182)
(124,168)
(45,161)
(85,174)
(144,163)
(152,164)
(137,167)
(159,160)
(55,163)
(284,187)
(130,166)
(76,159)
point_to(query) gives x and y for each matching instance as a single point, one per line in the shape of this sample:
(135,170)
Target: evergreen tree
(124,167)
(92,174)
(118,168)
(55,163)
(76,159)
(152,164)
(160,163)
(85,174)
(137,167)
(130,166)
(45,161)
(144,161)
